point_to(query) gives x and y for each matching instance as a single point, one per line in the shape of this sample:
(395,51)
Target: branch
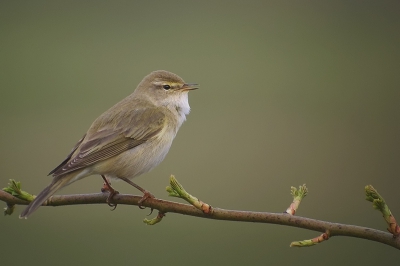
(164,206)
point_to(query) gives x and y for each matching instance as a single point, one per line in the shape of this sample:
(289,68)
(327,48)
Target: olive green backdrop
(292,92)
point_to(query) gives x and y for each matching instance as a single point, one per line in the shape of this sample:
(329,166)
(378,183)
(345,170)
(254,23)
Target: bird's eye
(166,87)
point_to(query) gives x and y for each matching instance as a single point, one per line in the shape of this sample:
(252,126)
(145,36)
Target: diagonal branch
(164,206)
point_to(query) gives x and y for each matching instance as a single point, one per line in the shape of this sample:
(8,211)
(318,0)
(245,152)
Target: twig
(298,195)
(311,242)
(177,190)
(335,229)
(379,203)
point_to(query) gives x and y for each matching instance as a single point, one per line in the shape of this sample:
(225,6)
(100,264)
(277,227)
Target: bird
(129,139)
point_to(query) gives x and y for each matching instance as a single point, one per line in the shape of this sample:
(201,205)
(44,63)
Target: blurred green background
(292,92)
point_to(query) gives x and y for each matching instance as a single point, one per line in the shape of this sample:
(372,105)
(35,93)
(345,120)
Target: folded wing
(107,138)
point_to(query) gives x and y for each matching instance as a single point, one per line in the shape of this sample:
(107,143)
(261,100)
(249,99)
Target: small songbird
(129,139)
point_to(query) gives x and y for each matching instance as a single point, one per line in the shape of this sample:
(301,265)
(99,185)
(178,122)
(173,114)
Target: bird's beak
(189,87)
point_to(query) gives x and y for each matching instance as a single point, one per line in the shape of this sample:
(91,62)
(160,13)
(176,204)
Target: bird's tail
(58,182)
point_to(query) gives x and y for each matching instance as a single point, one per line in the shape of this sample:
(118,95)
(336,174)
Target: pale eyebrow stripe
(165,82)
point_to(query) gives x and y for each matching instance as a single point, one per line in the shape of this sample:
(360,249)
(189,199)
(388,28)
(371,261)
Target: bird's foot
(112,192)
(146,195)
(110,197)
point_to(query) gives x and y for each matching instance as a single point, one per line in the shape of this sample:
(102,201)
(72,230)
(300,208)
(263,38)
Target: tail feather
(58,183)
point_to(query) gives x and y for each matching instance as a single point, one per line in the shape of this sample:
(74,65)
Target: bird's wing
(69,156)
(106,138)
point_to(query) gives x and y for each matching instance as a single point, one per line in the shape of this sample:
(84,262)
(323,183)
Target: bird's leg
(107,187)
(146,194)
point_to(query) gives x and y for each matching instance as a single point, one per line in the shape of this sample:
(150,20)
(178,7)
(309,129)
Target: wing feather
(102,143)
(69,156)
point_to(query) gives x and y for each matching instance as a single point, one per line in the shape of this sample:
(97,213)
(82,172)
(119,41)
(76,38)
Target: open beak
(189,87)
